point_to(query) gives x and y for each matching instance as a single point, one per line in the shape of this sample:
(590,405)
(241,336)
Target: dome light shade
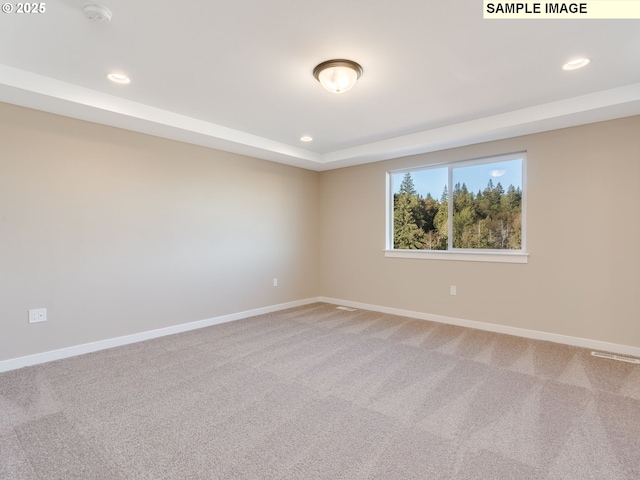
(338,76)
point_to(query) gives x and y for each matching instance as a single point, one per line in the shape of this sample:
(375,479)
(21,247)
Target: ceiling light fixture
(119,78)
(306,138)
(575,64)
(338,76)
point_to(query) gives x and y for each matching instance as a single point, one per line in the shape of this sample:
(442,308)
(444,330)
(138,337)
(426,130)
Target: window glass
(484,199)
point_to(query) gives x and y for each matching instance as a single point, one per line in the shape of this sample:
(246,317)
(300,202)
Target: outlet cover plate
(37,315)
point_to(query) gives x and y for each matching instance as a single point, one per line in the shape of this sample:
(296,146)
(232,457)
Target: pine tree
(407,187)
(431,206)
(441,224)
(445,195)
(407,223)
(409,213)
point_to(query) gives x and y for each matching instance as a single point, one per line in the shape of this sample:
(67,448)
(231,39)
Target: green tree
(463,228)
(441,225)
(431,207)
(445,195)
(407,187)
(408,217)
(407,223)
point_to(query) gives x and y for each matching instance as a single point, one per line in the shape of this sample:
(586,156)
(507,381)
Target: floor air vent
(616,357)
(346,309)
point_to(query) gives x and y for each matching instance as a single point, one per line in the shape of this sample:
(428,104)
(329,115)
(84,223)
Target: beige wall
(116,232)
(583,236)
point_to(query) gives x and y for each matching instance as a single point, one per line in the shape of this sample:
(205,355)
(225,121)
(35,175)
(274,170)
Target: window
(471,210)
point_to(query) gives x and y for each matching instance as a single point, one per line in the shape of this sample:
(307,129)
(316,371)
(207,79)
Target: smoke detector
(97,13)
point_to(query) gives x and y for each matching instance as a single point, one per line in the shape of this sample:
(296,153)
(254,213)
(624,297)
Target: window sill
(467,256)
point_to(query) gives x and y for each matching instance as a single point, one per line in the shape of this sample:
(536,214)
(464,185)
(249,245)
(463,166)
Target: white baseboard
(15,363)
(491,327)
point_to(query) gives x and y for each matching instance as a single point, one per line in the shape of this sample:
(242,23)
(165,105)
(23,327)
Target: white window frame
(468,254)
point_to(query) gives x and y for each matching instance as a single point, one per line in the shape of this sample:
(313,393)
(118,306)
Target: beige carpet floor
(319,393)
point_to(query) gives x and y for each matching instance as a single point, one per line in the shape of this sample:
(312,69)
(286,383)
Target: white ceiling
(237,76)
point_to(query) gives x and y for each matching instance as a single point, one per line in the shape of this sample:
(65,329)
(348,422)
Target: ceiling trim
(595,107)
(31,90)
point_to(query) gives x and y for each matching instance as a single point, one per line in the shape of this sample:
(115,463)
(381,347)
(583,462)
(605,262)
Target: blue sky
(475,176)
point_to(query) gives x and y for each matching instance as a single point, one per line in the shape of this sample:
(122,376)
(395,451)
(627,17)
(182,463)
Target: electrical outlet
(275,282)
(453,290)
(37,315)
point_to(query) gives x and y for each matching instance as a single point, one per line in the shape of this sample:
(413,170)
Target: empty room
(348,240)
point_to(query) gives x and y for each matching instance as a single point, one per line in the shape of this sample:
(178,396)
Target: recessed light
(575,64)
(119,78)
(306,138)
